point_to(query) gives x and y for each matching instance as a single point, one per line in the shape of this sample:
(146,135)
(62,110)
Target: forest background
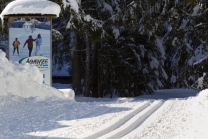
(129,48)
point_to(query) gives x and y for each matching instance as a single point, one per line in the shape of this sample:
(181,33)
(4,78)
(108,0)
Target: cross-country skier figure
(16,44)
(29,42)
(38,44)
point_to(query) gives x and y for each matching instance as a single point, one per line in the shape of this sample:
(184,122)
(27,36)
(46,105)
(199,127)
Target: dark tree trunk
(87,71)
(101,82)
(76,70)
(95,72)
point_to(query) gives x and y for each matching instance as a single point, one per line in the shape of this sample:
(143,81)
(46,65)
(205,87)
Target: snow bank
(197,127)
(31,7)
(26,81)
(203,95)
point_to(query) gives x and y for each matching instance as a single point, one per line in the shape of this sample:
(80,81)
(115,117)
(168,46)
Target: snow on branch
(72,3)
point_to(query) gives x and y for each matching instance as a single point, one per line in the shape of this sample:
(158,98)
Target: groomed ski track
(147,117)
(150,116)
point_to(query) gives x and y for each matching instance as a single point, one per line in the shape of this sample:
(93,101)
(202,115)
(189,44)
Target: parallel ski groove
(133,122)
(119,122)
(95,111)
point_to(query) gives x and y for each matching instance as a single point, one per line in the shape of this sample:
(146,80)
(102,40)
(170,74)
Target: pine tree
(4,29)
(143,41)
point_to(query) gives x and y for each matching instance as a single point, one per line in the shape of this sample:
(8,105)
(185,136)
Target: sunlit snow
(72,3)
(25,81)
(31,7)
(30,109)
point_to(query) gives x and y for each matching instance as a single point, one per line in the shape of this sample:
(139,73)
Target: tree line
(132,47)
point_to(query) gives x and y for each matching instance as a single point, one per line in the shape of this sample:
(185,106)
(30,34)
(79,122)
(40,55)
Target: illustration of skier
(16,44)
(29,43)
(38,44)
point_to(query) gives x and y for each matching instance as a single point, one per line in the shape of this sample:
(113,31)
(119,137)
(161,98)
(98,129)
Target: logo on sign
(41,62)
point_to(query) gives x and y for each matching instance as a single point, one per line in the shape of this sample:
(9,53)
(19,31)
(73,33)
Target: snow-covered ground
(31,110)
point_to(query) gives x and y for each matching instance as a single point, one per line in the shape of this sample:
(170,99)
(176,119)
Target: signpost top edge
(30,15)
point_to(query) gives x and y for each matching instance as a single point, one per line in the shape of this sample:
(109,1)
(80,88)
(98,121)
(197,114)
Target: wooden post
(50,19)
(10,19)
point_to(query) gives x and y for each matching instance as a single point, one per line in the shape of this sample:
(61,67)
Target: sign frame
(11,18)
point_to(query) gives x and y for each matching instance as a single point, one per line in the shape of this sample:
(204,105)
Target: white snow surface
(31,110)
(168,114)
(25,81)
(31,7)
(116,33)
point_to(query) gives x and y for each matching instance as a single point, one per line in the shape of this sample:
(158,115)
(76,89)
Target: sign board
(30,42)
(42,63)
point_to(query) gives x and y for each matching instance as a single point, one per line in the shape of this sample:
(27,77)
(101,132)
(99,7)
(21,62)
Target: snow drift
(31,7)
(26,81)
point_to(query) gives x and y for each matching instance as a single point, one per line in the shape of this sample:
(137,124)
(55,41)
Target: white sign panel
(42,63)
(30,42)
